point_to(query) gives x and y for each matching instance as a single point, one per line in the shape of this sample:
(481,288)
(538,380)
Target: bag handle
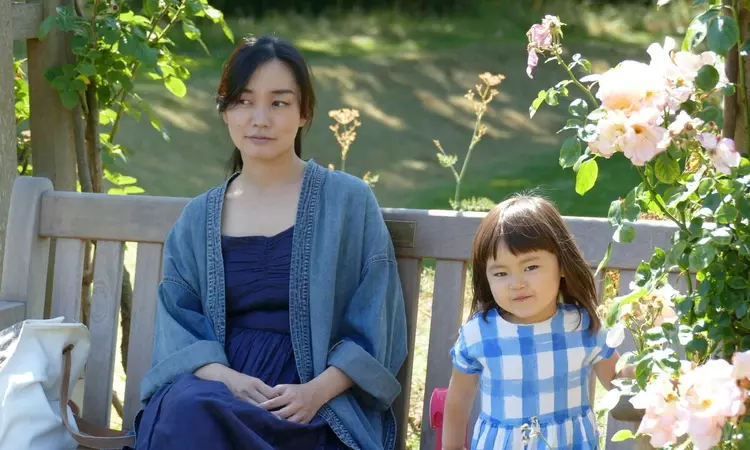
(89,435)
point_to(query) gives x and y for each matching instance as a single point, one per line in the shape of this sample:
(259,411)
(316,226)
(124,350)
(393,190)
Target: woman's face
(265,120)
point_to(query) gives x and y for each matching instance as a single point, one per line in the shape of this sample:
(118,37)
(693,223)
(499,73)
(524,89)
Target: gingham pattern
(540,370)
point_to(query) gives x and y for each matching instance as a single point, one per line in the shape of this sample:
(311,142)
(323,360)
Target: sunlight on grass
(400,35)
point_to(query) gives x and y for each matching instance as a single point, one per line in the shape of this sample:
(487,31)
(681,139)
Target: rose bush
(664,114)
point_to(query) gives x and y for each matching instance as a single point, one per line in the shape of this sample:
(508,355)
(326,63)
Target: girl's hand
(628,371)
(294,402)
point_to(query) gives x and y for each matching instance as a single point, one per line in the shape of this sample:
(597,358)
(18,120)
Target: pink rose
(665,418)
(722,152)
(712,397)
(531,62)
(741,363)
(539,36)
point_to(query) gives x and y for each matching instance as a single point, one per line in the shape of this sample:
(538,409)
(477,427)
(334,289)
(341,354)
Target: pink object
(437,412)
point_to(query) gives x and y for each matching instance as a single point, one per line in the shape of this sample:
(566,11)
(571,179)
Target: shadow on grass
(405,104)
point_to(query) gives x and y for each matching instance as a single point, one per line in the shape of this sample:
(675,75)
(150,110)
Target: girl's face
(525,286)
(266,118)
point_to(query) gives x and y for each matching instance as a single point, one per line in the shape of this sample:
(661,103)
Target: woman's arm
(461,392)
(184,339)
(370,341)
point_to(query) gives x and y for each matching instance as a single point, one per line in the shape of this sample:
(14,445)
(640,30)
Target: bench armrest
(11,313)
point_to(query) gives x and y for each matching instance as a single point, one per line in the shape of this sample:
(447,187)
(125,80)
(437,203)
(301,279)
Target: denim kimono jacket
(345,301)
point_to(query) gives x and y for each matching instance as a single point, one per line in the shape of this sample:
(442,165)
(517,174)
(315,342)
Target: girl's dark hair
(246,58)
(525,223)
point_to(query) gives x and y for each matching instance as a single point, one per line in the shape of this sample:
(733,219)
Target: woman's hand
(249,388)
(242,386)
(294,402)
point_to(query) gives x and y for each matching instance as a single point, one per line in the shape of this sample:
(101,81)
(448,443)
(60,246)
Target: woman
(280,320)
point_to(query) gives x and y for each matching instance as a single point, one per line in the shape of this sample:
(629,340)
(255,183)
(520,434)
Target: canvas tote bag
(40,360)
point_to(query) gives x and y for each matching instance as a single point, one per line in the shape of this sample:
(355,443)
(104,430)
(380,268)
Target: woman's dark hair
(526,223)
(246,58)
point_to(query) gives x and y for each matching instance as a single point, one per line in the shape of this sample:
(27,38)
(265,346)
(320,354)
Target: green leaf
(152,7)
(642,274)
(110,35)
(710,114)
(131,17)
(707,78)
(176,86)
(46,26)
(615,213)
(540,98)
(667,169)
(190,30)
(225,28)
(60,82)
(586,176)
(738,283)
(107,116)
(589,133)
(698,346)
(698,3)
(695,34)
(726,213)
(701,256)
(578,108)
(572,124)
(684,306)
(722,34)
(66,19)
(658,259)
(69,98)
(570,152)
(722,236)
(78,85)
(551,99)
(705,187)
(625,233)
(603,263)
(623,435)
(86,69)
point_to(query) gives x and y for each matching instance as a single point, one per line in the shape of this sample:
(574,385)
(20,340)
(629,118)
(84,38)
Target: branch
(93,143)
(84,176)
(658,202)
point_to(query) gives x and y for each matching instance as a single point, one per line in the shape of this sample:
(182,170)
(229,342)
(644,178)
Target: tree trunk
(126,304)
(8,157)
(735,109)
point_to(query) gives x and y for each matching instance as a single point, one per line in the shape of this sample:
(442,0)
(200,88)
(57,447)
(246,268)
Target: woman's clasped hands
(293,402)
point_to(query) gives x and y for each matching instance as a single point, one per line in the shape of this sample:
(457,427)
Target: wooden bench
(38,213)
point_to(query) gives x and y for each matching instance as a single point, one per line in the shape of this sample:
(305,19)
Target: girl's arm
(606,371)
(461,392)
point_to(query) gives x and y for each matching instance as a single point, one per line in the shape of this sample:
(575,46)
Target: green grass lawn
(407,77)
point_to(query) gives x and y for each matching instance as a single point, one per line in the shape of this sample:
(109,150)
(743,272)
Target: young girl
(533,339)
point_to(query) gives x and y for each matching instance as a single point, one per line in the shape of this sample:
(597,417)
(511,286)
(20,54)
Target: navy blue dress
(192,413)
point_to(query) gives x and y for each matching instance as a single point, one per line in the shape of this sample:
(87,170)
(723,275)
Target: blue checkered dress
(540,370)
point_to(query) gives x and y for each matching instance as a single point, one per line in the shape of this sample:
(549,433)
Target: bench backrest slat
(67,281)
(103,319)
(142,319)
(446,314)
(410,272)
